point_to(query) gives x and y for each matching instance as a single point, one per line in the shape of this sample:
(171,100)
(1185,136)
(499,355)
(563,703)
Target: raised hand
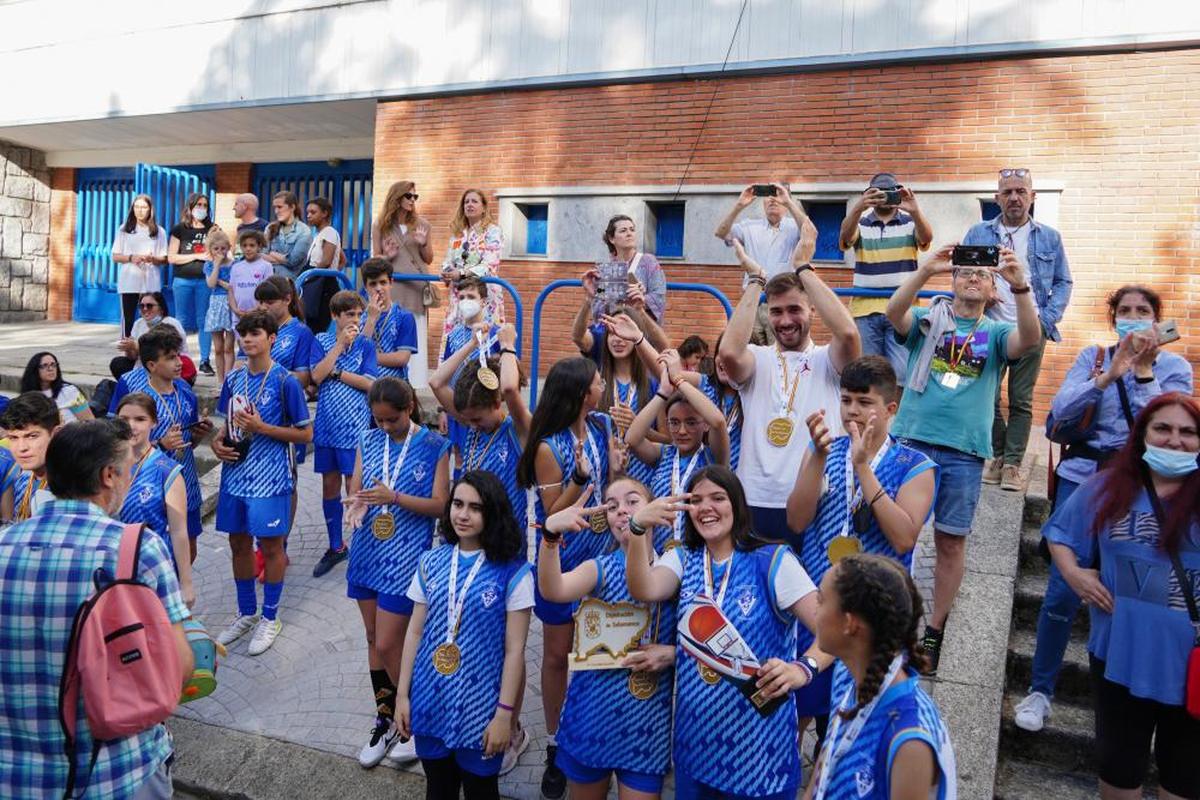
(749,265)
(661,511)
(622,326)
(573,518)
(818,431)
(940,261)
(507,336)
(618,455)
(622,415)
(1010,268)
(860,440)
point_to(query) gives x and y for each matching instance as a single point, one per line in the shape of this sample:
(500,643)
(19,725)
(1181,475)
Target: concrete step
(1073,681)
(1018,779)
(1031,559)
(1037,507)
(1066,743)
(1027,604)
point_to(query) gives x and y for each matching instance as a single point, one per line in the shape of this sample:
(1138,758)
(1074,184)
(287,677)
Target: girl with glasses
(43,374)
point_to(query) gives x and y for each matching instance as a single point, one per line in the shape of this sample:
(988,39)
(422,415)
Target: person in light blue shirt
(1139,519)
(288,236)
(1145,371)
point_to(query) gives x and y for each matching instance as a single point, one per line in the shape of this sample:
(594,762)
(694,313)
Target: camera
(975,255)
(764,190)
(892,196)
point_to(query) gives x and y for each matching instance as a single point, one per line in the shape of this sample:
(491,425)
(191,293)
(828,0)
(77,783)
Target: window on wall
(827,215)
(666,225)
(990,209)
(530,229)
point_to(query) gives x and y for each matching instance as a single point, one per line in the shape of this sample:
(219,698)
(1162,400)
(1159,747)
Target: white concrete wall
(88,60)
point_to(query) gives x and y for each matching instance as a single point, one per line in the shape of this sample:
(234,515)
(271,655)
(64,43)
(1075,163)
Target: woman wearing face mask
(1094,387)
(141,249)
(475,244)
(1139,520)
(288,237)
(186,254)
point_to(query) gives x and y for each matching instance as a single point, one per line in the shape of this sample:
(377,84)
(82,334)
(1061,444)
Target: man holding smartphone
(1039,248)
(886,228)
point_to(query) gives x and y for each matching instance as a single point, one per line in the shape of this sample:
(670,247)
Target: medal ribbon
(472,462)
(854,495)
(677,483)
(23,510)
(392,477)
(261,386)
(719,597)
(484,346)
(835,749)
(591,451)
(954,359)
(457,600)
(786,410)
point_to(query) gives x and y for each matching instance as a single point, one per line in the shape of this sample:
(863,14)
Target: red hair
(1124,477)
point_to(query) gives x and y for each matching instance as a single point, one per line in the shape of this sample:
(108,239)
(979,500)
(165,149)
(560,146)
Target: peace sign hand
(573,518)
(661,511)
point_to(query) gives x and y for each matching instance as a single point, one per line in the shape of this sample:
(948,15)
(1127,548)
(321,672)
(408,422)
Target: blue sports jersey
(458,337)
(660,482)
(579,547)
(457,708)
(396,331)
(267,469)
(147,499)
(387,566)
(293,346)
(603,725)
(342,411)
(8,470)
(25,489)
(627,393)
(732,409)
(136,380)
(904,713)
(179,407)
(497,452)
(716,726)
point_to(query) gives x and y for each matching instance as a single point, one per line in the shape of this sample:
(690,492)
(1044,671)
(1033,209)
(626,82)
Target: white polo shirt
(768,472)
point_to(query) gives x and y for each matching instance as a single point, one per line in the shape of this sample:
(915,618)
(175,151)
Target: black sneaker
(205,368)
(931,646)
(554,782)
(330,560)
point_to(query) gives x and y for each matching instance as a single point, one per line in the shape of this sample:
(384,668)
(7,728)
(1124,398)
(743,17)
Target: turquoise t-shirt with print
(958,415)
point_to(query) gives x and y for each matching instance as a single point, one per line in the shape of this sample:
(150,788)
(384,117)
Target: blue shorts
(264,517)
(334,459)
(814,699)
(472,761)
(195,523)
(687,788)
(959,481)
(548,612)
(578,772)
(393,603)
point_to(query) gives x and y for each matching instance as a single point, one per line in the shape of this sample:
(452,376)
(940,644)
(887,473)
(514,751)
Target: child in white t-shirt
(247,273)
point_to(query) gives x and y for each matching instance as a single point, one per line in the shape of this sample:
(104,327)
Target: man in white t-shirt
(782,384)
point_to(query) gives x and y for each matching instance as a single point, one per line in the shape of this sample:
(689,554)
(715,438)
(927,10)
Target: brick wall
(62,243)
(24,233)
(1118,130)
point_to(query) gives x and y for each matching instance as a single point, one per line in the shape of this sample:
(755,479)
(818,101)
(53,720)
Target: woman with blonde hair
(475,244)
(401,235)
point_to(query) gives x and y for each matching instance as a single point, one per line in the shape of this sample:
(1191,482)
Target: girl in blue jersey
(614,720)
(399,488)
(277,296)
(862,492)
(157,496)
(761,590)
(570,446)
(715,385)
(464,653)
(698,438)
(887,739)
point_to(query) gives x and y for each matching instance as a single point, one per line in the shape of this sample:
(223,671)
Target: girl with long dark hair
(186,253)
(43,374)
(140,248)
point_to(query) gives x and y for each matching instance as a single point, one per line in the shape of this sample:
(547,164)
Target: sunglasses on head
(1020,172)
(411,196)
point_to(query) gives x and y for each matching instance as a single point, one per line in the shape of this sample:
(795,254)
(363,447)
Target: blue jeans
(191,305)
(1059,608)
(879,339)
(960,476)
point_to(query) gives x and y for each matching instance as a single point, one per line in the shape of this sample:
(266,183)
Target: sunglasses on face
(1020,172)
(147,306)
(411,196)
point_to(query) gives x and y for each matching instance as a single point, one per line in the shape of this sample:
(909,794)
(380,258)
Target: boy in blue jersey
(179,428)
(265,414)
(30,420)
(343,366)
(391,326)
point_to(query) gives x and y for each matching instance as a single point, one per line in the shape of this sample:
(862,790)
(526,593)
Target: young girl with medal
(464,652)
(157,495)
(759,590)
(863,492)
(698,438)
(570,446)
(717,388)
(614,720)
(399,488)
(887,739)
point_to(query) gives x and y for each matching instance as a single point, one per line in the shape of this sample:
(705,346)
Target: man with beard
(1039,248)
(781,385)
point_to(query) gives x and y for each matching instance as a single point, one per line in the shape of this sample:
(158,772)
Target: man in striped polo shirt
(885,240)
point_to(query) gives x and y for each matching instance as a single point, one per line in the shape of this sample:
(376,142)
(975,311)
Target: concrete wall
(24,233)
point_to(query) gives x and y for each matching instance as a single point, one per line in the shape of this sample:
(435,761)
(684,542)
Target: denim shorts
(878,338)
(960,476)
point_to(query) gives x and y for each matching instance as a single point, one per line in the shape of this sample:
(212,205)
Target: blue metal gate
(347,186)
(169,188)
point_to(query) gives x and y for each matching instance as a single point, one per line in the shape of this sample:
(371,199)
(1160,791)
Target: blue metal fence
(169,188)
(346,185)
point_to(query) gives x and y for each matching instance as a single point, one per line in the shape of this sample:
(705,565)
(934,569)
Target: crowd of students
(759,504)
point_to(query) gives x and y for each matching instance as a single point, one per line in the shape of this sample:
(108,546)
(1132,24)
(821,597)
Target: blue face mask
(1128,326)
(1170,463)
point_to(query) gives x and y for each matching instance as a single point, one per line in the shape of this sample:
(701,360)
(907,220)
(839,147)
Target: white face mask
(469,308)
(199,213)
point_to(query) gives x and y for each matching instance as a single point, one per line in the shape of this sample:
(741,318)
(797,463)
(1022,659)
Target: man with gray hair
(1039,248)
(245,208)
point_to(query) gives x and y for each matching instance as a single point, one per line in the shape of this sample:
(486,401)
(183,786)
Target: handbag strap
(1185,584)
(1126,408)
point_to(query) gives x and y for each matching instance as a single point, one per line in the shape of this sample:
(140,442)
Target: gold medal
(599,520)
(842,546)
(643,685)
(488,378)
(384,526)
(779,431)
(708,674)
(671,544)
(447,658)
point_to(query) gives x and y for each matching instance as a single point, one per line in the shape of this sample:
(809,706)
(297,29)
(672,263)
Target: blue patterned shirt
(267,469)
(498,453)
(136,380)
(627,393)
(342,410)
(293,346)
(47,564)
(579,547)
(731,407)
(179,407)
(396,331)
(147,499)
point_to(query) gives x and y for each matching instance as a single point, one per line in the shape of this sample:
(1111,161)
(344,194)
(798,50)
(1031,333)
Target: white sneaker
(237,629)
(404,752)
(264,636)
(512,754)
(1032,712)
(384,735)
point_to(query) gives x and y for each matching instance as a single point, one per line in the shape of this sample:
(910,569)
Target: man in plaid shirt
(47,564)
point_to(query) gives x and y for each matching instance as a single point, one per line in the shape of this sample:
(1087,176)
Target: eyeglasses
(48,365)
(982,274)
(411,196)
(690,423)
(147,306)
(1019,172)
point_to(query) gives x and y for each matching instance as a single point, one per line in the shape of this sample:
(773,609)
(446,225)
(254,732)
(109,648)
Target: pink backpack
(122,656)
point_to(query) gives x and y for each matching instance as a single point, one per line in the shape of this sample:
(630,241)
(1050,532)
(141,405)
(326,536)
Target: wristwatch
(336,374)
